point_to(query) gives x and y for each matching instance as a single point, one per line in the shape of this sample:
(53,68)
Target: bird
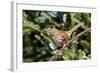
(60,37)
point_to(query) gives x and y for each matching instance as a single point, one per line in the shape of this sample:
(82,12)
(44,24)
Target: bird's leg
(63,47)
(58,52)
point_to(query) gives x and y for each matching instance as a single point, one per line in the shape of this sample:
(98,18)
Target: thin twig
(74,28)
(54,57)
(78,35)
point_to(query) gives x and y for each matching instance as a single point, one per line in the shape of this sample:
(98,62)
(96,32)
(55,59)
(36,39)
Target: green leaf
(68,55)
(30,25)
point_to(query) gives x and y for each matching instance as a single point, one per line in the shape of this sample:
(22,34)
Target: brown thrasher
(61,37)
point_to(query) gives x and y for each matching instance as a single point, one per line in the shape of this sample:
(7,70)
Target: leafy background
(38,45)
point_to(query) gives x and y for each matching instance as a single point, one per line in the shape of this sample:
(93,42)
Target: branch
(74,28)
(77,36)
(54,57)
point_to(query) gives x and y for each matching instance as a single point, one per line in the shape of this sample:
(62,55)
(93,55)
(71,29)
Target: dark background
(38,45)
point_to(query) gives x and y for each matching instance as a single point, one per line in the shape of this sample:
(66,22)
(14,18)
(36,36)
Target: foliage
(38,44)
